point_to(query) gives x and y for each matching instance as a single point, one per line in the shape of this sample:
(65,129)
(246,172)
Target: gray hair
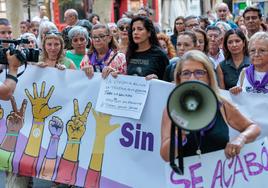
(258,36)
(78,30)
(225,25)
(45,25)
(123,21)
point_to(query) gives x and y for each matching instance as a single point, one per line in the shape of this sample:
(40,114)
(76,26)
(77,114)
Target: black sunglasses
(53,33)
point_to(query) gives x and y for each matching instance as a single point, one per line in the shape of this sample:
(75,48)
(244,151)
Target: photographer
(8,86)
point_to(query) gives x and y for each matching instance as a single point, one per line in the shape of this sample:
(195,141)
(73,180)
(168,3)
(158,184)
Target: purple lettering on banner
(137,136)
(264,152)
(238,169)
(147,138)
(230,164)
(249,159)
(185,182)
(126,132)
(195,180)
(217,174)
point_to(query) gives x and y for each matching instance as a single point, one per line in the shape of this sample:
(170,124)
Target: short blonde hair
(197,55)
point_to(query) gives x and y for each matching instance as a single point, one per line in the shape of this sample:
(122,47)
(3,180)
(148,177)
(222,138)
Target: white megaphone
(191,106)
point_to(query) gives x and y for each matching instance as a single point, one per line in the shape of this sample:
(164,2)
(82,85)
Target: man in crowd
(214,36)
(191,22)
(222,12)
(71,19)
(252,18)
(7,88)
(42,14)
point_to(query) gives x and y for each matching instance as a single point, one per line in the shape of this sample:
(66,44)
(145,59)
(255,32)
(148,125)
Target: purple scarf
(257,85)
(99,62)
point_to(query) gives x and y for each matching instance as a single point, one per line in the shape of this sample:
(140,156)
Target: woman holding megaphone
(196,66)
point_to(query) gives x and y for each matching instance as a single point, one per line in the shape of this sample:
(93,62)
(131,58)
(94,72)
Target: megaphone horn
(192,105)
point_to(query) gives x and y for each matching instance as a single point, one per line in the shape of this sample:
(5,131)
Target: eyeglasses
(260,52)
(122,28)
(247,18)
(100,37)
(179,23)
(53,33)
(199,73)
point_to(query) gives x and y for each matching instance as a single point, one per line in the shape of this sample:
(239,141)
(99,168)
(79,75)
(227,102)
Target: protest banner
(61,137)
(248,169)
(53,131)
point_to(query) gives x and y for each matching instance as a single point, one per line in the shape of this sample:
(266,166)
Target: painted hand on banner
(40,107)
(103,126)
(1,112)
(76,127)
(15,121)
(55,126)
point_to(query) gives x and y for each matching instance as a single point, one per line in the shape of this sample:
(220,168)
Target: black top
(213,139)
(231,73)
(152,61)
(173,39)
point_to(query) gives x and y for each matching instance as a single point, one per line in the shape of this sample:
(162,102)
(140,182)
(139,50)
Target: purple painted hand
(55,126)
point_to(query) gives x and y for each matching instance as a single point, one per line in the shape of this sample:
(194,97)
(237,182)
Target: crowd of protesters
(236,49)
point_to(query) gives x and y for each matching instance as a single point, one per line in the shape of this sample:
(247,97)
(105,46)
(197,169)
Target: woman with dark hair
(186,41)
(179,26)
(204,22)
(144,54)
(94,18)
(202,41)
(103,55)
(236,58)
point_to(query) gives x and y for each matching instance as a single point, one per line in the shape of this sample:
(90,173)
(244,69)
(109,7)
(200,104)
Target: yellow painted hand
(76,126)
(40,107)
(103,126)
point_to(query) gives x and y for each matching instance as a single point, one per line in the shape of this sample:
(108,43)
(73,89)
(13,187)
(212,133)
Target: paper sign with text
(123,96)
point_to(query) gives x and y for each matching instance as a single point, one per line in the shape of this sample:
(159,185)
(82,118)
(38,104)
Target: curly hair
(149,26)
(170,48)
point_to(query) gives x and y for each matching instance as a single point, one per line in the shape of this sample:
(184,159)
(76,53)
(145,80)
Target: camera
(23,55)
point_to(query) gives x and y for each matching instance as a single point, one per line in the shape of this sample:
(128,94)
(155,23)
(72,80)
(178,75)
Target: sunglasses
(122,28)
(53,33)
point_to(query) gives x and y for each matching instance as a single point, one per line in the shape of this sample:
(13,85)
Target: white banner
(249,169)
(63,138)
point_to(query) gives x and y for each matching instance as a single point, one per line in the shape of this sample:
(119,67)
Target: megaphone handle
(173,144)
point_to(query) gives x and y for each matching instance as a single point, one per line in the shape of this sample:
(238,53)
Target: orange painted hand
(40,107)
(15,119)
(76,127)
